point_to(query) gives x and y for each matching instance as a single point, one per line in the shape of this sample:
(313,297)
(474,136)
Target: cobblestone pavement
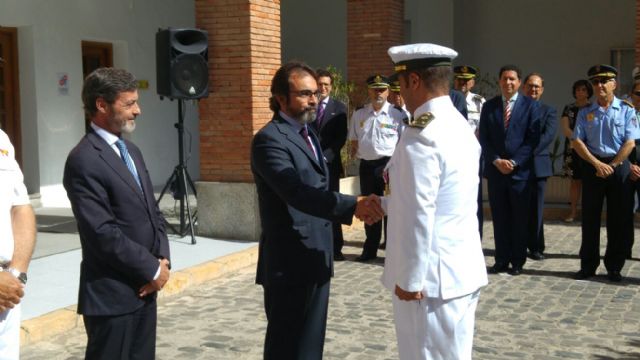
(542,314)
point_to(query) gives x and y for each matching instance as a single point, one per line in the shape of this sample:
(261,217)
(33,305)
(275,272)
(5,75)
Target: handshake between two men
(369,209)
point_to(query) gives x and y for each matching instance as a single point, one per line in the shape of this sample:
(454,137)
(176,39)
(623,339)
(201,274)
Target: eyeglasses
(380,89)
(306,93)
(597,82)
(636,93)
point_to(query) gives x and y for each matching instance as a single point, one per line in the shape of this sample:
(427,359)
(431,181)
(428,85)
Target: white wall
(559,39)
(431,21)
(315,32)
(50,35)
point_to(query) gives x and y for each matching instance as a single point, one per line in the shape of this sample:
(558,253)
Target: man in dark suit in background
(331,127)
(542,165)
(509,132)
(125,251)
(295,256)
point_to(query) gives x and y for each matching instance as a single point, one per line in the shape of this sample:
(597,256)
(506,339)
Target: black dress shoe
(536,255)
(498,268)
(614,276)
(584,274)
(515,271)
(365,258)
(338,257)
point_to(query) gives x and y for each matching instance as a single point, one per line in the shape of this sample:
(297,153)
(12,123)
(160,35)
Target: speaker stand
(183,183)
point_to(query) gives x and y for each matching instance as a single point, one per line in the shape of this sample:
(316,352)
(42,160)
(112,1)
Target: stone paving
(542,314)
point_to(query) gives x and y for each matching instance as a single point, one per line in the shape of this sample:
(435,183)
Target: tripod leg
(186,196)
(166,186)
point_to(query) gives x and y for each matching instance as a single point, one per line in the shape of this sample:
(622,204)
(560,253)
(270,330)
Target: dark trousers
(618,192)
(334,185)
(296,321)
(480,213)
(123,337)
(509,200)
(536,224)
(371,182)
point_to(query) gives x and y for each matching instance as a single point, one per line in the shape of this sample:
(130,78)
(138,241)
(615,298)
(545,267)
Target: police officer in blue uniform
(604,136)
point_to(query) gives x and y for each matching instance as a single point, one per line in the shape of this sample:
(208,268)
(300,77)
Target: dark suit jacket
(459,101)
(121,230)
(333,134)
(548,127)
(296,245)
(516,143)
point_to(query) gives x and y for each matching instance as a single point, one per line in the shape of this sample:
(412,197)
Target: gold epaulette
(422,121)
(626,101)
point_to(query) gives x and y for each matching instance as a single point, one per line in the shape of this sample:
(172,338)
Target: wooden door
(95,55)
(9,89)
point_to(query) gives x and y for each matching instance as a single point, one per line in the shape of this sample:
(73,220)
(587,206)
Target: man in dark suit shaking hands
(125,251)
(331,127)
(295,259)
(509,133)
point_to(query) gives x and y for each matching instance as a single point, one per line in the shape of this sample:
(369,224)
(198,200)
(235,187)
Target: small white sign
(63,83)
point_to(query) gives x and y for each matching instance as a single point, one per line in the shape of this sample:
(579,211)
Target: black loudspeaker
(181,63)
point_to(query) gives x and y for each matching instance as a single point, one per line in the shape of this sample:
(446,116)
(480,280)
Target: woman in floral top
(582,92)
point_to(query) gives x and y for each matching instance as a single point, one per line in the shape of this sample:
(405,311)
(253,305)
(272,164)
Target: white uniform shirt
(474,107)
(12,193)
(377,133)
(433,241)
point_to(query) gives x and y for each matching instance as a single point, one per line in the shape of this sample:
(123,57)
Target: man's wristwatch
(17,274)
(513,163)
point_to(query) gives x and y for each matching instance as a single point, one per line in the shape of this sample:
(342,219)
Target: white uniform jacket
(434,245)
(12,192)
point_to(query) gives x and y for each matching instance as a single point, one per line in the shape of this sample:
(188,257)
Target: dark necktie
(305,136)
(128,161)
(320,114)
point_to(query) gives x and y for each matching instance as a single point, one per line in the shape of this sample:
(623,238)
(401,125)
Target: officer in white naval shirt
(434,265)
(464,79)
(17,239)
(374,132)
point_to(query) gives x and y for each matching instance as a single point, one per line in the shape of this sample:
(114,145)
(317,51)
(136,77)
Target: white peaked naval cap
(414,56)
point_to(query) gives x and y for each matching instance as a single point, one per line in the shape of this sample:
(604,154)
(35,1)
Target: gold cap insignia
(464,69)
(378,79)
(422,121)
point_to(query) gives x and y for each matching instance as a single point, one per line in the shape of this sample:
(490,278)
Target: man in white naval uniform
(464,79)
(434,264)
(17,240)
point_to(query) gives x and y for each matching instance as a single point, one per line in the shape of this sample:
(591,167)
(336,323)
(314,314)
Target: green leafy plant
(486,85)
(341,90)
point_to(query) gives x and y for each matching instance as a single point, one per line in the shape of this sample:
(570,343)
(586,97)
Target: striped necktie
(507,114)
(128,161)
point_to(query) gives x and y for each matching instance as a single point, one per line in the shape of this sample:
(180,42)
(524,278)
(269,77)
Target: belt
(382,159)
(604,159)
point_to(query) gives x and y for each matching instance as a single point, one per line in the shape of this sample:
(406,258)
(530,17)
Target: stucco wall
(559,39)
(315,32)
(50,35)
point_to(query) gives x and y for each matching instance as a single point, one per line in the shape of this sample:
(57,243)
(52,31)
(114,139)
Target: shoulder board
(477,97)
(626,101)
(422,121)
(398,108)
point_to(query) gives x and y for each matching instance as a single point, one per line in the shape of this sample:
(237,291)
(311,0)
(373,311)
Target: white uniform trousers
(10,334)
(435,329)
